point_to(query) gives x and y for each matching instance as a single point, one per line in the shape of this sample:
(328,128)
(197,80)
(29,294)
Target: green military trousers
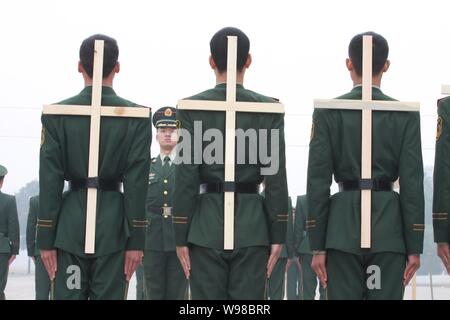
(308,280)
(140,283)
(293,281)
(100,278)
(238,274)
(372,276)
(4,258)
(275,284)
(41,280)
(164,276)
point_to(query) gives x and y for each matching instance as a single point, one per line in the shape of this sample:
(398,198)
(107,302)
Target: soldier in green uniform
(9,233)
(441,203)
(276,282)
(164,277)
(120,219)
(260,222)
(41,279)
(308,280)
(333,224)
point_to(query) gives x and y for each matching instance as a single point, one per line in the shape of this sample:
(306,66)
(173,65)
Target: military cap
(3,171)
(165,117)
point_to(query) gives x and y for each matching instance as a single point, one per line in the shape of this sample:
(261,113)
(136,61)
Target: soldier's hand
(319,266)
(49,260)
(288,264)
(443,251)
(183,256)
(132,260)
(298,262)
(275,252)
(11,259)
(411,268)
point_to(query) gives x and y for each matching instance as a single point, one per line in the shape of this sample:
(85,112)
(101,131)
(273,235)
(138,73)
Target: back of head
(219,46)
(110,55)
(380,52)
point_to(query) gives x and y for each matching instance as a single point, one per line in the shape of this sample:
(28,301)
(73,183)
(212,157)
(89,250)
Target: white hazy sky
(298,48)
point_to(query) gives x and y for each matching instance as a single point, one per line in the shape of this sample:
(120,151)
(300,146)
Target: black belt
(96,183)
(227,186)
(164,211)
(365,184)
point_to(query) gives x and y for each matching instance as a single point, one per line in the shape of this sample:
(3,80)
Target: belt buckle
(167,212)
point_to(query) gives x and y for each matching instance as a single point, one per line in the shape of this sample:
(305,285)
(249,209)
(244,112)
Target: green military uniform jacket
(288,247)
(9,225)
(123,156)
(259,221)
(335,149)
(160,194)
(441,189)
(31,227)
(301,245)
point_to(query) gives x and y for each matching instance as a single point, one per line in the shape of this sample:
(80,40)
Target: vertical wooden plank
(94,145)
(231,68)
(366,140)
(229,176)
(230,133)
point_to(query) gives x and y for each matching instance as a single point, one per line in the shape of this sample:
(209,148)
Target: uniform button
(165,181)
(165,192)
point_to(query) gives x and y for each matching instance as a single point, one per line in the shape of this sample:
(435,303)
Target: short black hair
(219,47)
(380,52)
(110,55)
(1,179)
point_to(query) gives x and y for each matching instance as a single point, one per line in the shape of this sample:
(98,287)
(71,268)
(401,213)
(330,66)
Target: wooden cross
(367,105)
(230,107)
(95,111)
(446,89)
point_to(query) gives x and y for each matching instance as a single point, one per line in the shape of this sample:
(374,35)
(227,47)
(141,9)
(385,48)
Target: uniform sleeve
(299,225)
(290,232)
(51,184)
(441,181)
(276,191)
(320,171)
(411,186)
(31,228)
(187,180)
(135,184)
(13,227)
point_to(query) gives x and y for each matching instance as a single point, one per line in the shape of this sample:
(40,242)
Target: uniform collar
(105,91)
(358,88)
(224,85)
(171,156)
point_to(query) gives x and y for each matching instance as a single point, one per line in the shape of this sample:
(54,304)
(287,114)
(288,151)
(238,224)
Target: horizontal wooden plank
(125,112)
(106,111)
(205,105)
(67,110)
(360,105)
(446,89)
(262,107)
